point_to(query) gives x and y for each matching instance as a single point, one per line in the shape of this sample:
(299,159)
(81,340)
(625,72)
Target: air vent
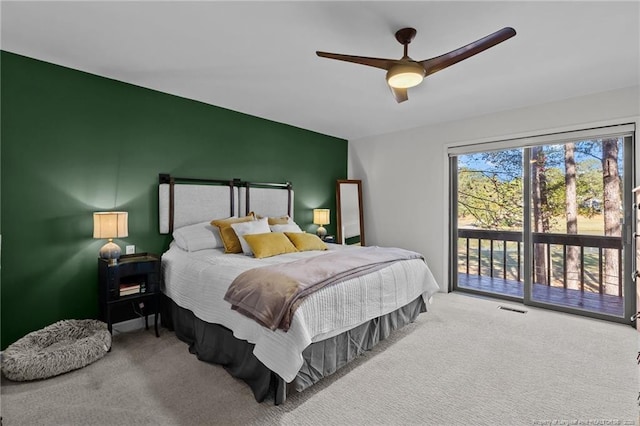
(506,308)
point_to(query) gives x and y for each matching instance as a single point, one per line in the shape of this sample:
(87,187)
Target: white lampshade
(403,76)
(110,225)
(321,216)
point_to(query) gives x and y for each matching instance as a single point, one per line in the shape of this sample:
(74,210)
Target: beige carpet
(464,362)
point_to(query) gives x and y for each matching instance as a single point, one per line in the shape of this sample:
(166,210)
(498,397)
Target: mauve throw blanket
(270,294)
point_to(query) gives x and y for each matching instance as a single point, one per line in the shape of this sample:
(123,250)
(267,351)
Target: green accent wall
(73,143)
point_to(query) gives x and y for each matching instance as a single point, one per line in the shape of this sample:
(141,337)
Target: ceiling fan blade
(382,63)
(443,61)
(400,94)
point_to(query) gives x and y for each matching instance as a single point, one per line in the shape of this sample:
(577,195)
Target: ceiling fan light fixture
(403,76)
(404,73)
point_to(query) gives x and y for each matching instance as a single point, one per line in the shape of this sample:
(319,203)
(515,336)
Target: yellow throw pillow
(269,244)
(306,242)
(229,237)
(280,220)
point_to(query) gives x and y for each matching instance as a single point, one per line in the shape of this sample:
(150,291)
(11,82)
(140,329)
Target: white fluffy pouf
(58,348)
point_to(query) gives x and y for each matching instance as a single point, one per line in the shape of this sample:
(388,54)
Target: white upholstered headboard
(266,199)
(186,201)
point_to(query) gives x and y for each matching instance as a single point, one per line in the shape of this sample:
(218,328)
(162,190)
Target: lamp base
(321,232)
(111,252)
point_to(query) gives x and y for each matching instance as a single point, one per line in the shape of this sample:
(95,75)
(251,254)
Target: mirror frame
(357,182)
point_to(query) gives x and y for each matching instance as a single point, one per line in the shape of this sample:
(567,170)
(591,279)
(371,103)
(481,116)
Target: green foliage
(492,194)
(556,193)
(590,187)
(493,203)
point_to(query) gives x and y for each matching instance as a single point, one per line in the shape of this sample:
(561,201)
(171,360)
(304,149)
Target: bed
(329,328)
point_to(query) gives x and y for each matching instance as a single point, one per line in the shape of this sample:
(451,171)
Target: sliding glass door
(547,224)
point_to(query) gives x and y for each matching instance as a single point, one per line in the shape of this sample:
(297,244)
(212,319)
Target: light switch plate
(131,249)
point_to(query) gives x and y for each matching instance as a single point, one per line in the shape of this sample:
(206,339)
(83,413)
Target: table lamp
(110,225)
(321,218)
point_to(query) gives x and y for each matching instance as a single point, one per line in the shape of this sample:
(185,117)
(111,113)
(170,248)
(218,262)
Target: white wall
(404,174)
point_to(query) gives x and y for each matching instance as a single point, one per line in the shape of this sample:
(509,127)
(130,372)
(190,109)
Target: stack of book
(127,289)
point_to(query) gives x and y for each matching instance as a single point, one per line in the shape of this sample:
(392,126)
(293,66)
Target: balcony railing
(507,262)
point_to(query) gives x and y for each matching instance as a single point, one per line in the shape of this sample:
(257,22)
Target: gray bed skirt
(216,344)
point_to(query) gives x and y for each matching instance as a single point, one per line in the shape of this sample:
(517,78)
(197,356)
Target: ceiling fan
(405,72)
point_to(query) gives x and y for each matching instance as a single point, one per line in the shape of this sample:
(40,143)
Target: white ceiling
(259,57)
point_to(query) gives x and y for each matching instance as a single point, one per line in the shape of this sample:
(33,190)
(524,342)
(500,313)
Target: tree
(571,212)
(612,205)
(590,186)
(540,217)
(489,199)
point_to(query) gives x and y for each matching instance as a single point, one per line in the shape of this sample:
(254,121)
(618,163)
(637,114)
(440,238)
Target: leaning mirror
(349,212)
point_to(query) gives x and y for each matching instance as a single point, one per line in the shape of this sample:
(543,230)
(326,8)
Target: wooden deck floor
(595,302)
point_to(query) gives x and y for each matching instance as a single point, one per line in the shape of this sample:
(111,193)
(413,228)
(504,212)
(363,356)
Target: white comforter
(199,280)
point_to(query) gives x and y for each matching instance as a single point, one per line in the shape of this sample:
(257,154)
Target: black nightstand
(134,280)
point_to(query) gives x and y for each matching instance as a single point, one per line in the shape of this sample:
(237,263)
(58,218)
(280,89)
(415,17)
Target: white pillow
(199,236)
(260,226)
(289,227)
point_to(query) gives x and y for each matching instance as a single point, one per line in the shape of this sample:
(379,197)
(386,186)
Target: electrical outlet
(131,249)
